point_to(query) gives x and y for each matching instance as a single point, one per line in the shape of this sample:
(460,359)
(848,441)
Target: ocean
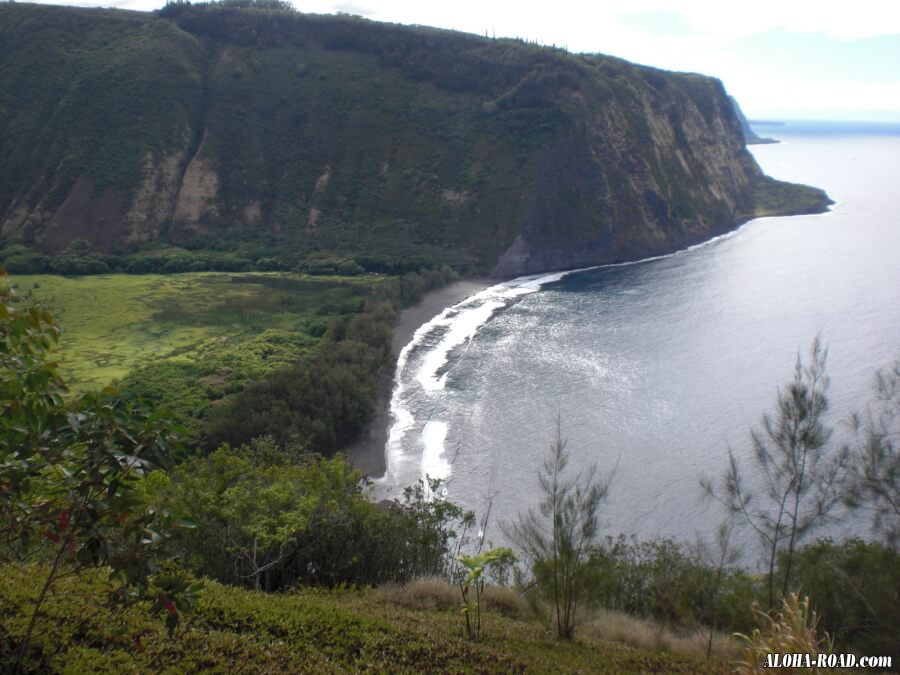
(655,369)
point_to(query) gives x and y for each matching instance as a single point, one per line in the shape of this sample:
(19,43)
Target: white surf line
(434,465)
(463,321)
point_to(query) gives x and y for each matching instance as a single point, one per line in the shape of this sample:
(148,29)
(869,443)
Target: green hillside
(283,138)
(312,631)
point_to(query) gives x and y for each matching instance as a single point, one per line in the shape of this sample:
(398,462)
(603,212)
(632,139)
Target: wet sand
(367,454)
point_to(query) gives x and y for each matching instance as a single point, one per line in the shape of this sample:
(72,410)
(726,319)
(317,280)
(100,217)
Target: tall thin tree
(555,538)
(795,486)
(873,478)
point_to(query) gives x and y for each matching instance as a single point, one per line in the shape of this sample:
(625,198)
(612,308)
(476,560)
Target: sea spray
(434,464)
(451,329)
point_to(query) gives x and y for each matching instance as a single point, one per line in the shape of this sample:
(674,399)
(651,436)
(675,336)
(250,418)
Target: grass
(437,594)
(776,198)
(645,634)
(256,322)
(309,631)
(791,630)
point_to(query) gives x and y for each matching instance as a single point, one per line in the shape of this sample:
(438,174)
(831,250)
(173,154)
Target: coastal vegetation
(249,324)
(192,343)
(120,550)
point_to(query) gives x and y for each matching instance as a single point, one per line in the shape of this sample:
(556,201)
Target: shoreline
(367,453)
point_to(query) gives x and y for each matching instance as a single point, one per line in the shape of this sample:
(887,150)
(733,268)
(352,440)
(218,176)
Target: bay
(657,368)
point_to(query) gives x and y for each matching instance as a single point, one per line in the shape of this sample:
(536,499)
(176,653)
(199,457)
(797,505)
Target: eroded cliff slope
(280,135)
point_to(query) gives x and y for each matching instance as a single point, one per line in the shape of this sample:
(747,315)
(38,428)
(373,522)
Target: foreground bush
(791,630)
(68,472)
(307,631)
(666,581)
(271,517)
(855,589)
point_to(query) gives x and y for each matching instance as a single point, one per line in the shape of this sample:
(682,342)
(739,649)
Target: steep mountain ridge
(290,136)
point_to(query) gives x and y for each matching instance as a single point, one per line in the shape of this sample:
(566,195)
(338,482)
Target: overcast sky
(819,59)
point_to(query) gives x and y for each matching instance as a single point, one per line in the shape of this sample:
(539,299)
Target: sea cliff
(281,137)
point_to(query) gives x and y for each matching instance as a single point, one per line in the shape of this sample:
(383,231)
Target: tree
(718,557)
(271,517)
(797,471)
(557,536)
(68,472)
(253,508)
(873,476)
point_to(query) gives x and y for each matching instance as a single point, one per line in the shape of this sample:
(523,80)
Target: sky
(782,59)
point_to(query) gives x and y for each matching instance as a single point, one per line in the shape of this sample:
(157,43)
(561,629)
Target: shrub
(271,517)
(855,589)
(792,630)
(664,580)
(68,474)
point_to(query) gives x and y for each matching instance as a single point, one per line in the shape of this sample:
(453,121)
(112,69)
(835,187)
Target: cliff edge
(283,137)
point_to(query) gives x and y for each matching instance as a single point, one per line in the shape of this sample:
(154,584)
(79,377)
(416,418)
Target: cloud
(758,47)
(141,5)
(841,20)
(353,8)
(590,24)
(657,23)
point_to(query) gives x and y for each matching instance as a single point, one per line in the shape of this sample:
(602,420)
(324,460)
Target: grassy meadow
(250,323)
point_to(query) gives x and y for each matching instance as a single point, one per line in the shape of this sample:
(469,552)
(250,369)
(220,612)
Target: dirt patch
(196,199)
(86,213)
(14,225)
(217,379)
(456,197)
(154,200)
(322,181)
(253,213)
(312,218)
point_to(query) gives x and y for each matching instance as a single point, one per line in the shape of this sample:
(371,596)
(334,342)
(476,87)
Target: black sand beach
(367,454)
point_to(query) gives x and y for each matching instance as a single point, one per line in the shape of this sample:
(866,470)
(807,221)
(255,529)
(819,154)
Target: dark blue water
(657,368)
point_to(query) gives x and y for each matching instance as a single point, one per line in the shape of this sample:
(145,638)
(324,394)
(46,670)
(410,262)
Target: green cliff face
(211,127)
